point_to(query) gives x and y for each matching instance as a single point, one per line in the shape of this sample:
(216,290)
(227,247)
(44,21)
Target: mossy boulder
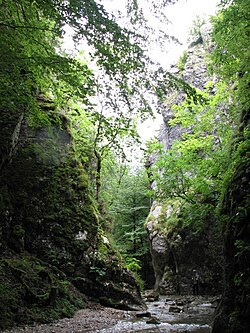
(31,291)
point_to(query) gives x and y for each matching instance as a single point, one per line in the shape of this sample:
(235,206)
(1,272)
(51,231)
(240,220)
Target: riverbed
(169,314)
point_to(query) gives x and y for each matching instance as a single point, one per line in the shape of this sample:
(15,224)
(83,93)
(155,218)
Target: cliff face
(233,314)
(54,251)
(179,252)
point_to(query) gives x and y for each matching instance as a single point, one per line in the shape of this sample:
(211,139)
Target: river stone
(175,309)
(143,314)
(153,320)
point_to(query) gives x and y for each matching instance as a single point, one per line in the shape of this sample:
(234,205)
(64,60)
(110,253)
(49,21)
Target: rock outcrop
(54,251)
(233,314)
(179,253)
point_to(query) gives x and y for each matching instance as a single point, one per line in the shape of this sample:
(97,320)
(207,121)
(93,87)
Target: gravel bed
(86,320)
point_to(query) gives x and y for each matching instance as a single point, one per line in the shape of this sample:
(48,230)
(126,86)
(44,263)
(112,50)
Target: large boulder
(179,252)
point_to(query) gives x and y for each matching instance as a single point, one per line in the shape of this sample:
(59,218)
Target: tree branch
(25,27)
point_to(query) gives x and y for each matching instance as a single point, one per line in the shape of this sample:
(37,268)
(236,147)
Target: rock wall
(233,314)
(54,251)
(179,253)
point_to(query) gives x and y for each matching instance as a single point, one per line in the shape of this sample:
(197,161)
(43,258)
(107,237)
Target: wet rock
(152,296)
(175,309)
(215,302)
(143,314)
(162,306)
(153,320)
(184,301)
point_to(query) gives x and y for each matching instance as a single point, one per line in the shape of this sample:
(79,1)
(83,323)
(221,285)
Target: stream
(170,314)
(189,314)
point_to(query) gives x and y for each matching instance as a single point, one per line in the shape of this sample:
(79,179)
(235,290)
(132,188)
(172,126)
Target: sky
(182,15)
(184,12)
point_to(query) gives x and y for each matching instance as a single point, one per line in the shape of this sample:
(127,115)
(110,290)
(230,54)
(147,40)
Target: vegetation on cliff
(206,169)
(231,56)
(54,139)
(71,211)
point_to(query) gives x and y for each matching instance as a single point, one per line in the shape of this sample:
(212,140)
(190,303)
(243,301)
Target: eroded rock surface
(54,251)
(179,252)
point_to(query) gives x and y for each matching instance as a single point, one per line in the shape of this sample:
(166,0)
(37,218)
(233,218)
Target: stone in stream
(152,296)
(143,314)
(153,320)
(175,309)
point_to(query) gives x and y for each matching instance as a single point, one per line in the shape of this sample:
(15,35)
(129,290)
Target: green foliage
(230,60)
(134,266)
(192,170)
(242,247)
(182,61)
(67,137)
(129,208)
(99,272)
(231,29)
(124,192)
(83,132)
(30,34)
(35,65)
(194,166)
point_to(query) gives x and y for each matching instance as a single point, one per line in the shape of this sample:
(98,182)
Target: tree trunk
(98,175)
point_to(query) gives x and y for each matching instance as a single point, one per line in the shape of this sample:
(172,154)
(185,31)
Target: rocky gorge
(83,233)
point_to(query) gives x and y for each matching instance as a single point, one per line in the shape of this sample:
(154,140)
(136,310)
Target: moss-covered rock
(51,235)
(32,290)
(184,238)
(233,314)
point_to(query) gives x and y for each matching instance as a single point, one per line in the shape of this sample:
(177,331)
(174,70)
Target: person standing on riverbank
(196,282)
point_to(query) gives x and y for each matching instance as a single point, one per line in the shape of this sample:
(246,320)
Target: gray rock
(175,309)
(153,320)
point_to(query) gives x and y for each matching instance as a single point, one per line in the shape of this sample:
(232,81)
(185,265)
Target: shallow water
(196,315)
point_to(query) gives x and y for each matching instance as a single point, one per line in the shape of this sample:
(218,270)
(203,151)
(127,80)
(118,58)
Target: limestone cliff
(54,251)
(180,251)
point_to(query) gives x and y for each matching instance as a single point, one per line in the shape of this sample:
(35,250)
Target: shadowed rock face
(53,248)
(176,250)
(233,314)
